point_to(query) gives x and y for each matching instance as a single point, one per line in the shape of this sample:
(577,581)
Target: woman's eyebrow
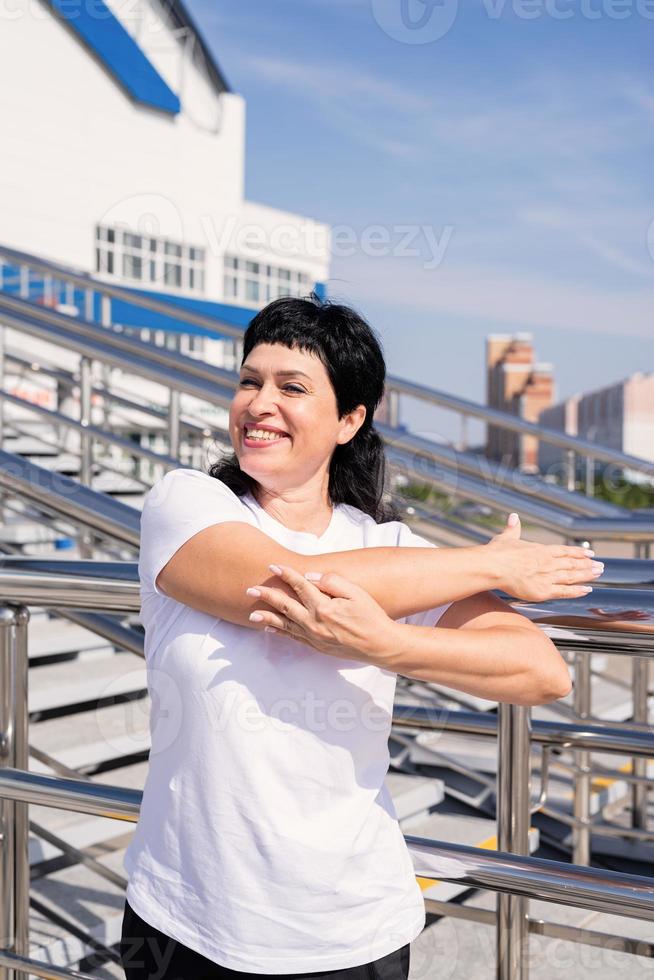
(278,374)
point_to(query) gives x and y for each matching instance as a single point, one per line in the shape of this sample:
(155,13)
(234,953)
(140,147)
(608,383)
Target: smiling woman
(267,841)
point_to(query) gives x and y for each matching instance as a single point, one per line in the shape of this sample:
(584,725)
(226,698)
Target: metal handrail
(70,499)
(414,459)
(89,283)
(462,406)
(182,375)
(454,463)
(409,449)
(113,586)
(58,419)
(514,423)
(171,370)
(552,881)
(429,457)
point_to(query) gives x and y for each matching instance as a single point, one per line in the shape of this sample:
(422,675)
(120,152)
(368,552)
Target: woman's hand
(538,572)
(619,615)
(334,616)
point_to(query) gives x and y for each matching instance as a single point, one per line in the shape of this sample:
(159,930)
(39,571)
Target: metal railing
(465,474)
(573,445)
(51,272)
(113,587)
(429,463)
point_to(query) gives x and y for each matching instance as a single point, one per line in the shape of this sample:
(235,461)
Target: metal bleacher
(73,472)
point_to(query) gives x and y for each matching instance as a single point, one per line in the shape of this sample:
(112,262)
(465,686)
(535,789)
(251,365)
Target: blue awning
(106,37)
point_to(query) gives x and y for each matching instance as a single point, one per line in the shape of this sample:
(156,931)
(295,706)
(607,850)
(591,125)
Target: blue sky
(521,139)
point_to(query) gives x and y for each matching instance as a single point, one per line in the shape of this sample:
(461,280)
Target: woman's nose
(262,399)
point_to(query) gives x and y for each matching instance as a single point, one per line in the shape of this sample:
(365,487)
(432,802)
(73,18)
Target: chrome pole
(639,686)
(513,816)
(105,310)
(463,442)
(570,469)
(85,389)
(14,860)
(7,855)
(581,804)
(21,814)
(393,408)
(89,305)
(173,423)
(86,446)
(24,282)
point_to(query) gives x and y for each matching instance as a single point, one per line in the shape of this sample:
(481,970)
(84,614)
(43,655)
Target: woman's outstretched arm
(485,648)
(213,569)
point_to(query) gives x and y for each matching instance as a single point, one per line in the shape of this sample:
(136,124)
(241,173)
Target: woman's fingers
(303,587)
(289,615)
(571,591)
(569,572)
(282,603)
(312,585)
(572,551)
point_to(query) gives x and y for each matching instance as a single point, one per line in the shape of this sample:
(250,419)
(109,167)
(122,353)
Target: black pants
(148,954)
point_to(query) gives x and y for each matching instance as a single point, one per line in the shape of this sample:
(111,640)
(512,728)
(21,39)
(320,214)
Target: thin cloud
(496,295)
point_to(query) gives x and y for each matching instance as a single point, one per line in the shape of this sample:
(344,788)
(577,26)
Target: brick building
(519,385)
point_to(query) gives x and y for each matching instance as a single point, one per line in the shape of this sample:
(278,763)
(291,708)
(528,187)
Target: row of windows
(254,283)
(265,270)
(150,260)
(172,265)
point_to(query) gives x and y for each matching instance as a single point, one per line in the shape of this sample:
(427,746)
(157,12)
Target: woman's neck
(298,510)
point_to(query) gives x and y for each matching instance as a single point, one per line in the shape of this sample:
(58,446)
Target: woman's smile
(258,438)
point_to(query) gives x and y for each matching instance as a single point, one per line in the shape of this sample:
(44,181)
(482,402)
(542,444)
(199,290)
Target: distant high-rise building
(515,384)
(620,416)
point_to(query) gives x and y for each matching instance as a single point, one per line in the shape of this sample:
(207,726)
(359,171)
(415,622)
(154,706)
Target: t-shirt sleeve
(179,505)
(408,538)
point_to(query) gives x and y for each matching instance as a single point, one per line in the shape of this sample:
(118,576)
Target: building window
(253,283)
(156,262)
(252,290)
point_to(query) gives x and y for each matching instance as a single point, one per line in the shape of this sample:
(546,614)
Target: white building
(124,154)
(124,157)
(619,416)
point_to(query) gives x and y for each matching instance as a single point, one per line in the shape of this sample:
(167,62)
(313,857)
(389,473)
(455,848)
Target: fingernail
(313,576)
(588,588)
(588,552)
(513,520)
(255,592)
(255,617)
(275,569)
(269,629)
(597,567)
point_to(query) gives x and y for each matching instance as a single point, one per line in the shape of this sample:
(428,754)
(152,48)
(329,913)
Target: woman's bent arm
(483,647)
(212,570)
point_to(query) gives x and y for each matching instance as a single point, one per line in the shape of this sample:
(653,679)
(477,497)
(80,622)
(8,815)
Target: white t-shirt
(267,840)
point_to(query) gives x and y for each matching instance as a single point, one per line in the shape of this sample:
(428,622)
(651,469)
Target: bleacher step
(51,636)
(413,796)
(70,683)
(95,736)
(458,949)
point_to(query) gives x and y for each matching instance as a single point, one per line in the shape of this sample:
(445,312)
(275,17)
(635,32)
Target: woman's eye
(294,388)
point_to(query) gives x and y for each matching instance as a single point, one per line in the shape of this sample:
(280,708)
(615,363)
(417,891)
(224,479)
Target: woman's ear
(352,422)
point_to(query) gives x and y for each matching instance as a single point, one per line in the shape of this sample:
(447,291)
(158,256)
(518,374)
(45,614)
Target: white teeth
(263,434)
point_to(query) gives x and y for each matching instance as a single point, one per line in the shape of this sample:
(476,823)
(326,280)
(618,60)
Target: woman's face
(288,391)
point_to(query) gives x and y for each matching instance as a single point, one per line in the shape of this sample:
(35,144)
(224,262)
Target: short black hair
(352,355)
